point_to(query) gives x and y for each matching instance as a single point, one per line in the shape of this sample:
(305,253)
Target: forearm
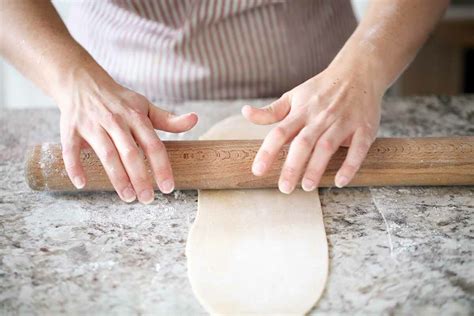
(389,36)
(35,40)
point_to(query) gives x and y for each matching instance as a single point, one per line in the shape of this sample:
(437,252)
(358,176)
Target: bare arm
(95,110)
(341,105)
(34,39)
(390,34)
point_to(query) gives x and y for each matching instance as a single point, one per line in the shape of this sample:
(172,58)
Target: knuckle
(345,121)
(264,154)
(67,151)
(327,145)
(143,120)
(285,97)
(138,117)
(326,115)
(296,104)
(141,182)
(169,116)
(112,119)
(367,131)
(358,155)
(300,110)
(310,130)
(271,108)
(305,141)
(362,150)
(279,132)
(67,131)
(364,146)
(331,109)
(131,153)
(89,126)
(352,167)
(369,141)
(120,181)
(315,99)
(123,103)
(290,171)
(73,168)
(108,154)
(136,98)
(162,173)
(312,173)
(367,128)
(154,146)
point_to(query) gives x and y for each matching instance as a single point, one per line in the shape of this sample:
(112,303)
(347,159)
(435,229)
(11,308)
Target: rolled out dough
(256,252)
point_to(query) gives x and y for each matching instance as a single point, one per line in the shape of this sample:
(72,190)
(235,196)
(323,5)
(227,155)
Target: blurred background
(444,66)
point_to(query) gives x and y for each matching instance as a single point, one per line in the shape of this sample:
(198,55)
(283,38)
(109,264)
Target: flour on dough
(256,251)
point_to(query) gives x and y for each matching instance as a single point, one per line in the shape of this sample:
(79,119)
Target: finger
(156,154)
(300,150)
(273,142)
(347,142)
(108,155)
(269,114)
(325,147)
(167,121)
(71,150)
(131,157)
(361,142)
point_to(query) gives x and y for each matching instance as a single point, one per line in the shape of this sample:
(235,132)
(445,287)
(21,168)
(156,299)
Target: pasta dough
(256,251)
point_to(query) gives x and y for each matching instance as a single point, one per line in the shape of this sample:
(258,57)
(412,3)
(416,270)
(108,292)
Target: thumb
(168,122)
(272,113)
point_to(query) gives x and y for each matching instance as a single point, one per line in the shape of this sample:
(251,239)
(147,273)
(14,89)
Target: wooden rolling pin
(227,165)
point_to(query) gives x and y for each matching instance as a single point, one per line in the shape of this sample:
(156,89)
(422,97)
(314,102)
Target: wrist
(80,74)
(360,58)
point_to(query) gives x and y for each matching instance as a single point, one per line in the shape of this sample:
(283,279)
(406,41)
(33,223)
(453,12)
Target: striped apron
(174,50)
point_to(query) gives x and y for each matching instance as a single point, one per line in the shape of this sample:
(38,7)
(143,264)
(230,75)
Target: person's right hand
(118,124)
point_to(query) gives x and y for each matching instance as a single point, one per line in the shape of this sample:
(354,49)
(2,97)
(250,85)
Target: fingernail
(308,185)
(286,187)
(147,196)
(258,168)
(167,186)
(79,182)
(129,194)
(341,181)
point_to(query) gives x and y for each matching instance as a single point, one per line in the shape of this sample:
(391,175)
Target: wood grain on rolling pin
(227,165)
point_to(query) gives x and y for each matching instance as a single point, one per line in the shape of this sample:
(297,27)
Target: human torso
(211,49)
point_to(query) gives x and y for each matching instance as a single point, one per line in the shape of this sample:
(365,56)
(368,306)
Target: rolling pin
(226,164)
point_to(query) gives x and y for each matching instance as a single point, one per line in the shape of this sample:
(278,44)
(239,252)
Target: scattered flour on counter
(387,226)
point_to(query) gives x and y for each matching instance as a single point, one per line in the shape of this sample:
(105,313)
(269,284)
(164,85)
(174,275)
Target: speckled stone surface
(406,250)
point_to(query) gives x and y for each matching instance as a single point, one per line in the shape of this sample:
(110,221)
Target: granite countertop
(405,250)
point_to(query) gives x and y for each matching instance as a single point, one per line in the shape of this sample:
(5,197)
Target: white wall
(17,92)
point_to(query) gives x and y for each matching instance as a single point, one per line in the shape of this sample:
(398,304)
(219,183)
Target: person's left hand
(337,107)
